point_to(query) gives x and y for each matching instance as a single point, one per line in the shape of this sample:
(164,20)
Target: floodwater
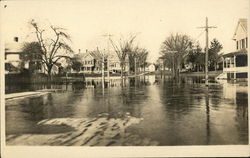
(183,112)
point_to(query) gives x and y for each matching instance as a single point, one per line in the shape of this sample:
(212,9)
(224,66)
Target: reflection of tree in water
(34,108)
(215,93)
(242,115)
(77,86)
(132,98)
(24,114)
(208,135)
(177,96)
(181,98)
(120,100)
(61,105)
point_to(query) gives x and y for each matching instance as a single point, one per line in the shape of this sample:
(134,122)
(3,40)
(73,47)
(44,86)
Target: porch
(235,65)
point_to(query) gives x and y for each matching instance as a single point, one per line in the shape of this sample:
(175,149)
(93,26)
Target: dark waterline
(183,112)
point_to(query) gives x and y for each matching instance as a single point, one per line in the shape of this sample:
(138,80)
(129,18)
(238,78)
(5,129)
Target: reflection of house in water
(230,91)
(235,64)
(150,79)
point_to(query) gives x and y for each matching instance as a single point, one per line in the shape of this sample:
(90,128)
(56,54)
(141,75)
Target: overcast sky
(151,20)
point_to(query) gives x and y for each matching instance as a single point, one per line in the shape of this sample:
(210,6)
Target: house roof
(98,56)
(239,52)
(243,24)
(13,47)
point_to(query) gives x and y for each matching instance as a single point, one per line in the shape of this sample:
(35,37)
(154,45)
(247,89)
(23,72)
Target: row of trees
(179,50)
(196,56)
(53,46)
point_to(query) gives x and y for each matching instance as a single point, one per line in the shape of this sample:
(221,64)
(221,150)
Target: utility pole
(135,65)
(103,79)
(206,55)
(108,54)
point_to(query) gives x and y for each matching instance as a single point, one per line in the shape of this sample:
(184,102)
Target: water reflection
(207,114)
(183,112)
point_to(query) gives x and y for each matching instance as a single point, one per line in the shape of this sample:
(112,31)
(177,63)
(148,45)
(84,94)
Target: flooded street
(165,112)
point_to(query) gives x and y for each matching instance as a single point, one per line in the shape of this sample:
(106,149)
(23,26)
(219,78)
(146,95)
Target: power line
(196,39)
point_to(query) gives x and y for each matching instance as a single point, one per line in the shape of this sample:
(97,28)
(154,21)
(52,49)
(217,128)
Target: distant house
(235,63)
(150,68)
(13,56)
(92,62)
(15,63)
(114,63)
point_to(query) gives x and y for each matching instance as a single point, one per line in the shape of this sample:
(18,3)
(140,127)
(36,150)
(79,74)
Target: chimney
(16,39)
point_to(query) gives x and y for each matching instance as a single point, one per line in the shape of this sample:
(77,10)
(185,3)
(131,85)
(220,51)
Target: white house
(150,68)
(14,59)
(235,63)
(13,56)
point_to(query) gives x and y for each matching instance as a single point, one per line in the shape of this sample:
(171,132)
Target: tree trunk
(177,73)
(121,71)
(122,74)
(49,79)
(135,66)
(129,68)
(144,68)
(164,69)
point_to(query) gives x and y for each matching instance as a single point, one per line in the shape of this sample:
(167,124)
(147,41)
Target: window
(243,43)
(246,43)
(241,75)
(237,45)
(16,39)
(241,60)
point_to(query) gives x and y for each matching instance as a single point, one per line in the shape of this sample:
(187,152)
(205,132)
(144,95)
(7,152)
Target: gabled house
(235,63)
(91,61)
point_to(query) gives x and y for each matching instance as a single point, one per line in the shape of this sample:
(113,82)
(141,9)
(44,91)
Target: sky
(151,20)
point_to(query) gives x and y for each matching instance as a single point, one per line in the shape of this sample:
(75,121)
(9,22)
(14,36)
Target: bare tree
(54,47)
(174,50)
(142,58)
(137,58)
(122,48)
